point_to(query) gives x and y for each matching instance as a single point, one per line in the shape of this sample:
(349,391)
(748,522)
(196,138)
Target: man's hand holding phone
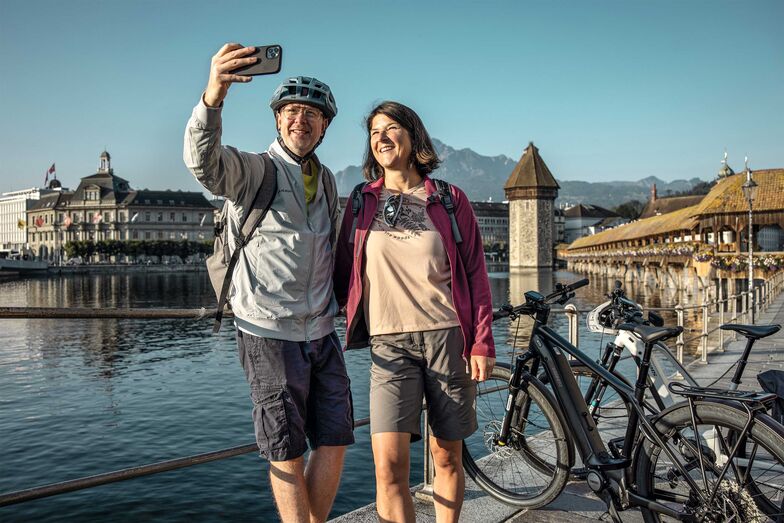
(236,63)
(225,61)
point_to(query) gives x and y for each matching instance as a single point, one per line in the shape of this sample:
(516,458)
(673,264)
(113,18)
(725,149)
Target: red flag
(67,221)
(97,217)
(39,222)
(48,172)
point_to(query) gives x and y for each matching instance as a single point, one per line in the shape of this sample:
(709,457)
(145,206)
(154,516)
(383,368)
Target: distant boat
(22,266)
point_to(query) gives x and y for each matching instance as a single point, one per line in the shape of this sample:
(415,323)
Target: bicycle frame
(608,476)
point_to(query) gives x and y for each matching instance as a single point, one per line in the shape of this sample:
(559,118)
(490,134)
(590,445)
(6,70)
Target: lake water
(83,397)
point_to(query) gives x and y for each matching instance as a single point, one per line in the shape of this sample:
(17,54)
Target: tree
(630,210)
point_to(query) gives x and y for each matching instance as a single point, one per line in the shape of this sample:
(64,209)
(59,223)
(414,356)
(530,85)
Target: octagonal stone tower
(531,190)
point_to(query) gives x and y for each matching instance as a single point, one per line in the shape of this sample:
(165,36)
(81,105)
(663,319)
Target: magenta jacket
(470,285)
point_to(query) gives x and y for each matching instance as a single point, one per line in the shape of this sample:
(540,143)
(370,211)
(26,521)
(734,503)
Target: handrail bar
(107,313)
(20,496)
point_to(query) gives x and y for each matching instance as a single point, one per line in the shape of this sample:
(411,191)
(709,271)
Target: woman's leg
(449,483)
(392,458)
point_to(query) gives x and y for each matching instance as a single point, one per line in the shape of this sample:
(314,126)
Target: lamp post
(750,193)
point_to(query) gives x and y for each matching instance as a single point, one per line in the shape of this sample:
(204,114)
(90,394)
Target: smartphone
(269,61)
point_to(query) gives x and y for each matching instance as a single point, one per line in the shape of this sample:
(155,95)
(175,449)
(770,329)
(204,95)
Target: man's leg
(449,483)
(331,424)
(287,479)
(391,453)
(322,477)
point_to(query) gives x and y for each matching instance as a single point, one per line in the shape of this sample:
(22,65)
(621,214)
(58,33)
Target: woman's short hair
(423,154)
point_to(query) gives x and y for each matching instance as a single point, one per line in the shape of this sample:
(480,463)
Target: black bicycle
(707,458)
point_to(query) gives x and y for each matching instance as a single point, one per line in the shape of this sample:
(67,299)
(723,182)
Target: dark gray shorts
(409,366)
(299,390)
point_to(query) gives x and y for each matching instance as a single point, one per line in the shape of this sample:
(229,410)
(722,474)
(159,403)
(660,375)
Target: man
(281,291)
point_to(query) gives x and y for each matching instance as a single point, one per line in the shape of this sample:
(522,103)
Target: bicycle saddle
(752,331)
(649,334)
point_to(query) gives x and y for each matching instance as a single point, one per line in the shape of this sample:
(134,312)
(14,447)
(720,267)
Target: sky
(607,90)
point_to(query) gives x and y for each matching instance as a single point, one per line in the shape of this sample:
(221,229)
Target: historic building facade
(531,190)
(105,207)
(13,215)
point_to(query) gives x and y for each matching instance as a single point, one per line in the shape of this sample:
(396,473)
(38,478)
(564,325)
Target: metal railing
(766,293)
(737,305)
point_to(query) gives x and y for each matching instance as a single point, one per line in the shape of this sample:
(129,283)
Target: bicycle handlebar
(564,291)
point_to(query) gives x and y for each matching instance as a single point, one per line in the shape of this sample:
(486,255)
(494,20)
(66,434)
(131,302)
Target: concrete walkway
(577,503)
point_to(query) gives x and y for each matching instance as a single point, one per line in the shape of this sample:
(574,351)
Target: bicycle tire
(657,481)
(533,468)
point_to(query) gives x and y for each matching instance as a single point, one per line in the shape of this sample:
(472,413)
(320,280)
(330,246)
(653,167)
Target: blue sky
(608,90)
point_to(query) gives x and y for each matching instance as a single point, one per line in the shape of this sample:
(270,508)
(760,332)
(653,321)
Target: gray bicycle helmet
(305,90)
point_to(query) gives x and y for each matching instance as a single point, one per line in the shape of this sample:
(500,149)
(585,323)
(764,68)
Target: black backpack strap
(445,194)
(258,210)
(356,200)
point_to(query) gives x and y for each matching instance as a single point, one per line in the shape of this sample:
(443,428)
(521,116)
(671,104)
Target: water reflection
(138,391)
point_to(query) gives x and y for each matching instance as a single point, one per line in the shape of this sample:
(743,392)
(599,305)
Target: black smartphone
(269,61)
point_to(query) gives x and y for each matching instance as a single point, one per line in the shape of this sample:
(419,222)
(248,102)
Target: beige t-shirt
(407,282)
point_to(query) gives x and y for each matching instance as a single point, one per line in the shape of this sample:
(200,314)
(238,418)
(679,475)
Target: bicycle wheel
(532,469)
(752,490)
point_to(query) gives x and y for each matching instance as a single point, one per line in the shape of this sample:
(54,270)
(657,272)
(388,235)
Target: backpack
(220,265)
(443,192)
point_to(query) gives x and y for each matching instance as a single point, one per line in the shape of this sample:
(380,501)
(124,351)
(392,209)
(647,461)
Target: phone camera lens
(273,52)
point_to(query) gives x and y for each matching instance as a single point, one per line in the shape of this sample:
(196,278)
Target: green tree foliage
(132,249)
(630,210)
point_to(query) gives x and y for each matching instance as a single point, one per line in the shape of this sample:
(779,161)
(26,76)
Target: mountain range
(483,177)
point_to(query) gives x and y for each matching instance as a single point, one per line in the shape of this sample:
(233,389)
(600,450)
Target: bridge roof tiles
(726,197)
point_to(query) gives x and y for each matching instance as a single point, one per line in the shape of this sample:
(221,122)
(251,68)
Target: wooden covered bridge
(690,247)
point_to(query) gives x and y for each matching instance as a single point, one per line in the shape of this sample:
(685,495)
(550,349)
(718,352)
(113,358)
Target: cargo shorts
(408,367)
(300,392)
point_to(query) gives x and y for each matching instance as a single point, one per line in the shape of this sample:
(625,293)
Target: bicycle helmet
(600,319)
(305,90)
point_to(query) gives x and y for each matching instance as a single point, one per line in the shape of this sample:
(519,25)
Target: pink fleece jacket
(470,285)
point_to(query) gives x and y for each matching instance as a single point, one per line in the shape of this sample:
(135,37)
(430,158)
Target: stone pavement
(577,503)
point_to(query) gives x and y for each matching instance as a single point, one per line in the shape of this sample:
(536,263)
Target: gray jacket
(282,284)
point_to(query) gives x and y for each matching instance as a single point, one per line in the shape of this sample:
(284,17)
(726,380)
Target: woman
(422,300)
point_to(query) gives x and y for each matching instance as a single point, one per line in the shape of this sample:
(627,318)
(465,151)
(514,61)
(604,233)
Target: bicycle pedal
(604,461)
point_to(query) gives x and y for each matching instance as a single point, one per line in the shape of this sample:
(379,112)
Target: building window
(146,216)
(147,235)
(135,235)
(107,217)
(172,217)
(120,216)
(184,217)
(160,235)
(160,216)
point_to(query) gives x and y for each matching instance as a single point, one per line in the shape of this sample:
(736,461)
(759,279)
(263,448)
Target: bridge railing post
(574,331)
(721,301)
(704,338)
(679,342)
(426,492)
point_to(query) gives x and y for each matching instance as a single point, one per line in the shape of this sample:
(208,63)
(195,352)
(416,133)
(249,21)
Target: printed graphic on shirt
(411,222)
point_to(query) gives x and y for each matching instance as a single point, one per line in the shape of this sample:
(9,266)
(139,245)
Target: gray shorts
(299,390)
(409,366)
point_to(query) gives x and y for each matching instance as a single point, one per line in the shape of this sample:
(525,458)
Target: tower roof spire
(531,175)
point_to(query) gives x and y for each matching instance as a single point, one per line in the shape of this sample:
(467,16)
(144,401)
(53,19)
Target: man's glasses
(392,207)
(291,112)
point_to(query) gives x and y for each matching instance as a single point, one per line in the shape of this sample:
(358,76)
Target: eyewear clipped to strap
(392,207)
